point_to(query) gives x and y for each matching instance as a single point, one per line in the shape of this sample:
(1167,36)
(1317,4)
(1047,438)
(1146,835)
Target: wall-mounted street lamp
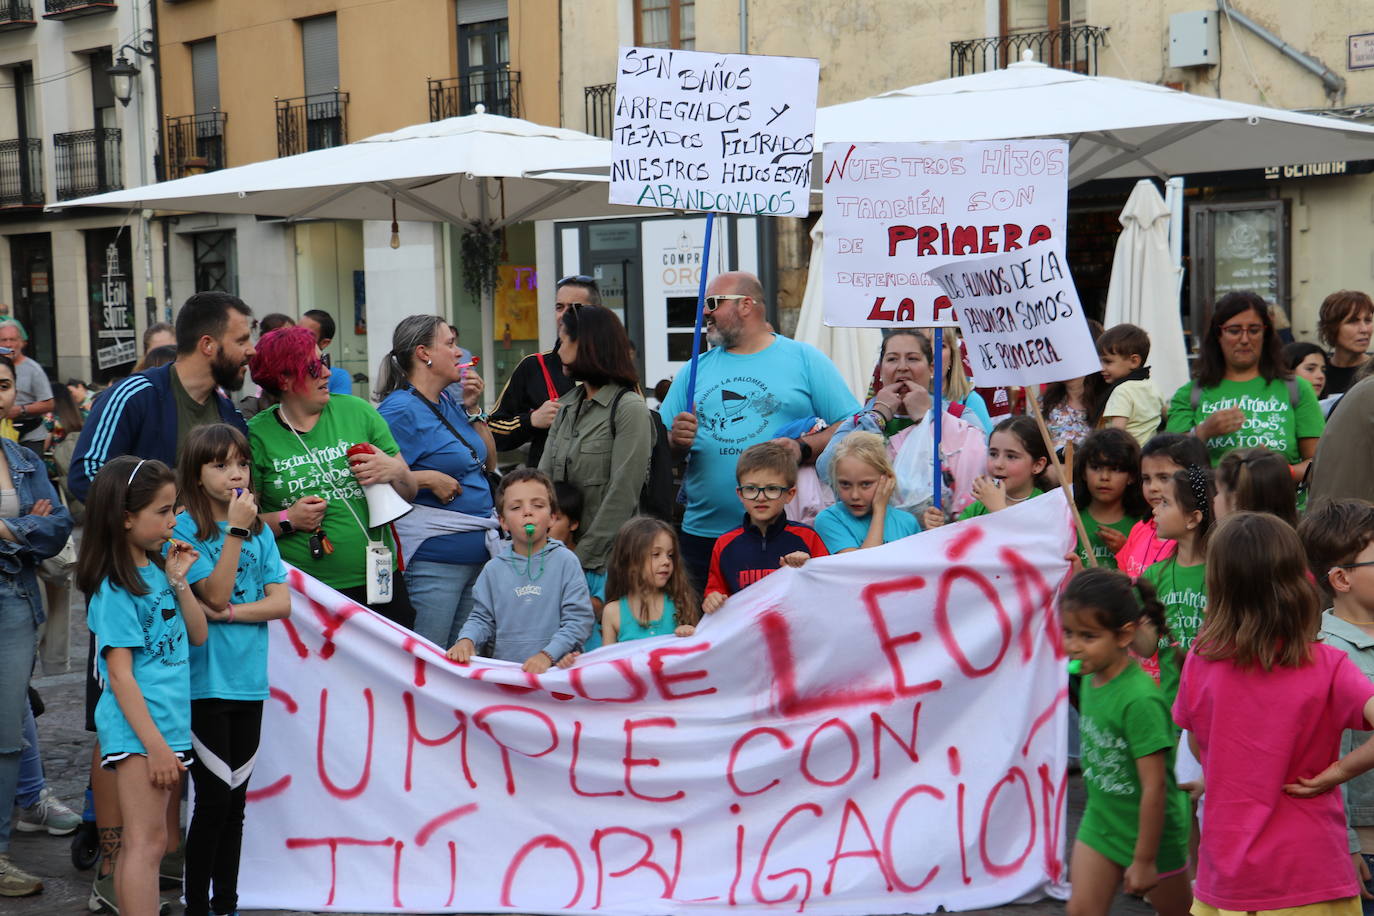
(123,71)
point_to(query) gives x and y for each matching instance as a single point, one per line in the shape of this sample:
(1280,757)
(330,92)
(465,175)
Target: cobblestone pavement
(66,757)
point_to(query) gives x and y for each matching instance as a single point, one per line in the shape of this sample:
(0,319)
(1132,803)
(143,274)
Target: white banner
(1020,317)
(895,210)
(878,732)
(733,133)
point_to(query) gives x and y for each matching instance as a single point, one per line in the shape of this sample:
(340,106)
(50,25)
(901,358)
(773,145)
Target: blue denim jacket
(1358,792)
(37,537)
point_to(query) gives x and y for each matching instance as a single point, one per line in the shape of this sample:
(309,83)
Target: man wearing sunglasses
(750,384)
(527,405)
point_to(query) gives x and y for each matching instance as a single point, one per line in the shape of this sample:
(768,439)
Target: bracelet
(230,606)
(545,653)
(179,586)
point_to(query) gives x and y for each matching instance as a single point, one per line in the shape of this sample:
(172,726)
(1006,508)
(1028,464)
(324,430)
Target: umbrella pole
(937,414)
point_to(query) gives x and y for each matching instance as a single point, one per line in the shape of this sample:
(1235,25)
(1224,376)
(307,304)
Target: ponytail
(414,331)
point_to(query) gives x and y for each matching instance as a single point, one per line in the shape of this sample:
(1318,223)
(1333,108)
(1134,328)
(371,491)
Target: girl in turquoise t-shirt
(142,614)
(1135,827)
(240,580)
(862,515)
(647,590)
(1106,489)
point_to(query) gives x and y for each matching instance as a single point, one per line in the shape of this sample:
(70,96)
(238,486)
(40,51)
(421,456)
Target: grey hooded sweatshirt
(520,606)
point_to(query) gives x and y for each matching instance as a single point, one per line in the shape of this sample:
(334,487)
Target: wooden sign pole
(1065,471)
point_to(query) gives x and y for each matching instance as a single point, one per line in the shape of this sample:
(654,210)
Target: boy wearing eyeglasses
(1338,536)
(766,481)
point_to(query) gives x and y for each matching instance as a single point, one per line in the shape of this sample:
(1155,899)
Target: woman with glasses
(1242,394)
(309,487)
(606,458)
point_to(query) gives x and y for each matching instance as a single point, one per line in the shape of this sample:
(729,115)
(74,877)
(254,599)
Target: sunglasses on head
(577,278)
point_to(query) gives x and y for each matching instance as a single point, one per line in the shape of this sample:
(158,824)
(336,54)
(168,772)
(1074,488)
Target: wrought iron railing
(15,14)
(21,173)
(88,162)
(195,143)
(1068,48)
(498,90)
(599,105)
(65,9)
(312,122)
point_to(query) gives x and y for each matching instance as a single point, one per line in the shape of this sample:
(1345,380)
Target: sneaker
(103,897)
(48,814)
(14,881)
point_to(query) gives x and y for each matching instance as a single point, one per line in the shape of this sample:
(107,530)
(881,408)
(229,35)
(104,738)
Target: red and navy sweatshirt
(744,555)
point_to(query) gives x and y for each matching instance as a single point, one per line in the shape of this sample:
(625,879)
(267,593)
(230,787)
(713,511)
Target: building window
(666,24)
(216,262)
(1038,15)
(484,75)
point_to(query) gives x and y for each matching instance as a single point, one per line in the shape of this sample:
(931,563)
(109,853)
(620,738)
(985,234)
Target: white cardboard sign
(1020,317)
(894,210)
(733,133)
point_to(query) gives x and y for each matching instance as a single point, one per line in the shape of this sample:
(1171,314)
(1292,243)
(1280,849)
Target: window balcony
(72,9)
(312,122)
(195,144)
(21,173)
(599,105)
(16,14)
(498,90)
(88,162)
(1069,48)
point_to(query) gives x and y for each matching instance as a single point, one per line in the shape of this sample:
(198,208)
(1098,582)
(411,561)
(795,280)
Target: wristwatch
(806,451)
(236,532)
(284,522)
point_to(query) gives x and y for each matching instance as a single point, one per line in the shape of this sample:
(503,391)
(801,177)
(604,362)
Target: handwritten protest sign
(1020,317)
(894,210)
(731,133)
(878,732)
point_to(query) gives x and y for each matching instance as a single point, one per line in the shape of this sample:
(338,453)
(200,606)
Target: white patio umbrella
(1145,284)
(477,170)
(854,351)
(1115,128)
(480,168)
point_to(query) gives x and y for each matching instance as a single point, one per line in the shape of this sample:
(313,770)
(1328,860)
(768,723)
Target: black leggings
(225,733)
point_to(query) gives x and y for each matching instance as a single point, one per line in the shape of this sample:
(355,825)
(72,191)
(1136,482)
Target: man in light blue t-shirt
(749,384)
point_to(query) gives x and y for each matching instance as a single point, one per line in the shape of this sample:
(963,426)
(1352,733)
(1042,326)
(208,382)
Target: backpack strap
(548,379)
(615,402)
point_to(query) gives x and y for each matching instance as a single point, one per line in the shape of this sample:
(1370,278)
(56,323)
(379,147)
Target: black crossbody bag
(492,477)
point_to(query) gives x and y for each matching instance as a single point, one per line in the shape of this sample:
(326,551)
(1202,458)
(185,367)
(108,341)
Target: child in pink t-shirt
(1266,707)
(1160,458)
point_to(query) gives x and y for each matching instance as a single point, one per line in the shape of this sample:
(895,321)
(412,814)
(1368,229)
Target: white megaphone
(384,504)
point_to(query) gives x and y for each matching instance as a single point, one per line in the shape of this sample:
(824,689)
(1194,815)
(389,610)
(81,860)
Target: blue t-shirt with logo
(843,530)
(232,664)
(740,400)
(150,626)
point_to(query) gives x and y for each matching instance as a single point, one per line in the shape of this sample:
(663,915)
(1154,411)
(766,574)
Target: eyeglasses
(1234,331)
(1353,565)
(772,491)
(715,302)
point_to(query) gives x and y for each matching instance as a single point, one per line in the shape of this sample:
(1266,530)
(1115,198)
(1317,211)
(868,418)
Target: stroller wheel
(85,845)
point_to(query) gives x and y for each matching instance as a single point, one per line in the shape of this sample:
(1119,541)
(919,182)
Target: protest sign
(894,210)
(1020,317)
(879,732)
(732,133)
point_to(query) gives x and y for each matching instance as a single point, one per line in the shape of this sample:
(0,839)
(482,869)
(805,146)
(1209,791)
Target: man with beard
(750,386)
(33,391)
(150,413)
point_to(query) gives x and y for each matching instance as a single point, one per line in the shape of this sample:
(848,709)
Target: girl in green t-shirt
(1135,826)
(1017,458)
(1106,489)
(1184,514)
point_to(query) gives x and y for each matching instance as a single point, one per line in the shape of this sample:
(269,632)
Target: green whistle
(1075,666)
(529,531)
